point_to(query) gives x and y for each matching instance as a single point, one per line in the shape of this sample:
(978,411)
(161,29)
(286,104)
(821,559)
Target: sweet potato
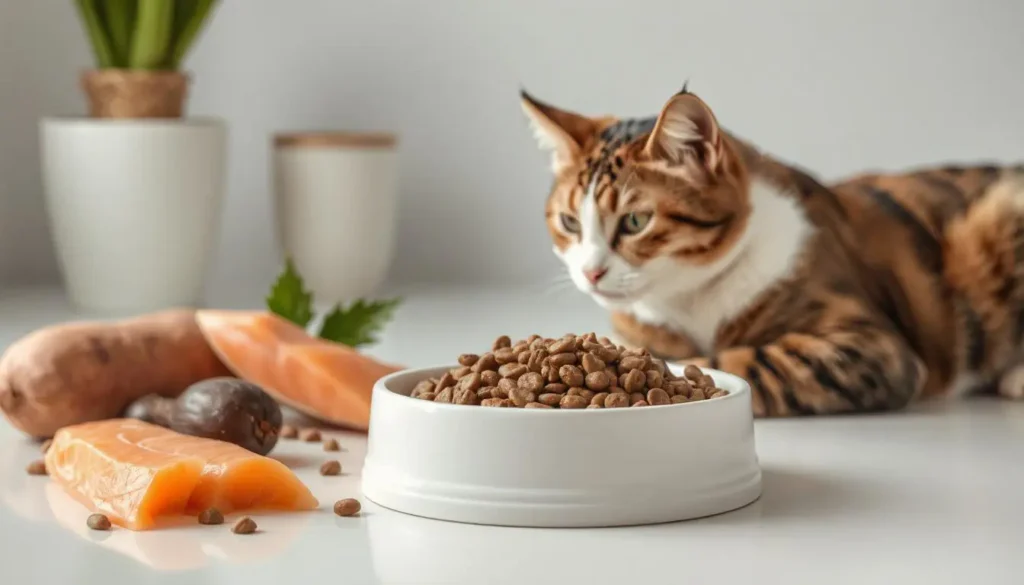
(83,371)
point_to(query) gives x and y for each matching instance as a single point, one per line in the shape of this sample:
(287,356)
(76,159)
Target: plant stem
(97,36)
(152,34)
(120,17)
(189,20)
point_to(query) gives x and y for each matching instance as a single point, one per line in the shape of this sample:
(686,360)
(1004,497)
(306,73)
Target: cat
(860,296)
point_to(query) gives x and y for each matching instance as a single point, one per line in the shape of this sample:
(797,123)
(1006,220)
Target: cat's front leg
(865,370)
(661,342)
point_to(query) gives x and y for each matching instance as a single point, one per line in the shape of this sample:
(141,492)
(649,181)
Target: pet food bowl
(560,468)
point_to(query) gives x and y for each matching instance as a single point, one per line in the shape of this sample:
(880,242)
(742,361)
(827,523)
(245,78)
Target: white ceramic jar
(336,197)
(134,208)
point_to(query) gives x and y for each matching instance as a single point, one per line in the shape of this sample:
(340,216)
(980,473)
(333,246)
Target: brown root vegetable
(226,409)
(82,371)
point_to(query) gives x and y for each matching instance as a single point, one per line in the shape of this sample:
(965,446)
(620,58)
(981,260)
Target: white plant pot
(336,203)
(134,208)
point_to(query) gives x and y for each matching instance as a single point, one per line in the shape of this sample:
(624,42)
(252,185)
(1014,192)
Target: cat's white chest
(699,324)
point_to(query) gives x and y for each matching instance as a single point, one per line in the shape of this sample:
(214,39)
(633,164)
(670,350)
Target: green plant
(151,35)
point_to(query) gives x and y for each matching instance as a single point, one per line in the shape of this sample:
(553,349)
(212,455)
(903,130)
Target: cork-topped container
(560,468)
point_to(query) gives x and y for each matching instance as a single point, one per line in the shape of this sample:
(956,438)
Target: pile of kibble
(574,371)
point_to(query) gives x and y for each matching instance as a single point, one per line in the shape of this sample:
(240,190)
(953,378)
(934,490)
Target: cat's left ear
(563,133)
(686,128)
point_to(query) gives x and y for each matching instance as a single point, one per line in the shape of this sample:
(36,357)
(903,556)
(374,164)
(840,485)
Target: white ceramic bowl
(560,468)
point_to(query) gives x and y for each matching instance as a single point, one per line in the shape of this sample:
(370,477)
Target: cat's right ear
(563,133)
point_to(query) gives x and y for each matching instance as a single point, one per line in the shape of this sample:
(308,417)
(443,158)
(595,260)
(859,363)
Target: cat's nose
(595,274)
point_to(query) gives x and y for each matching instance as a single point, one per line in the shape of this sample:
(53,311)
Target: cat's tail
(984,265)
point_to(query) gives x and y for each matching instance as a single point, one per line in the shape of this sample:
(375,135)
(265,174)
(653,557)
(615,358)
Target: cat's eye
(569,223)
(634,223)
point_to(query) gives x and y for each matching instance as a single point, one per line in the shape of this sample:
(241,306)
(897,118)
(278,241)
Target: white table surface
(930,496)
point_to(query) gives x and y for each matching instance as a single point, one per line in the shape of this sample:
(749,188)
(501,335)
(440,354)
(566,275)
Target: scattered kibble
(211,516)
(288,432)
(347,507)
(332,445)
(245,525)
(37,467)
(571,372)
(310,435)
(330,468)
(98,522)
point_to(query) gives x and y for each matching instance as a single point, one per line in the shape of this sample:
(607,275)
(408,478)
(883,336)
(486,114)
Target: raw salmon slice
(136,473)
(325,380)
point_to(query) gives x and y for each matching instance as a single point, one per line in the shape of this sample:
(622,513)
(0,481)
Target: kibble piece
(594,406)
(332,467)
(332,445)
(45,446)
(486,363)
(718,394)
(245,525)
(512,371)
(537,405)
(592,363)
(506,385)
(549,399)
(427,396)
(537,360)
(634,381)
(503,341)
(290,432)
(682,387)
(635,397)
(524,358)
(599,398)
(504,356)
(679,399)
(616,400)
(446,381)
(562,359)
(485,392)
(654,378)
(633,363)
(640,403)
(552,374)
(571,375)
(489,378)
(693,373)
(563,345)
(531,381)
(539,343)
(657,396)
(587,395)
(98,522)
(465,396)
(37,467)
(707,382)
(459,372)
(522,396)
(496,402)
(572,401)
(470,381)
(445,395)
(697,394)
(468,359)
(555,388)
(347,507)
(310,435)
(597,381)
(211,516)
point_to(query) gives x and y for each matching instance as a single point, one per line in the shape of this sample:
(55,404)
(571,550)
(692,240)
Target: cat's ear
(561,132)
(686,130)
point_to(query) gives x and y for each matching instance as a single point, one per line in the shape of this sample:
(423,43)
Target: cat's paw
(1011,384)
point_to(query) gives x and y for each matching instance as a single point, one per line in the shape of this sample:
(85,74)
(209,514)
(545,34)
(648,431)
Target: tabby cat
(854,297)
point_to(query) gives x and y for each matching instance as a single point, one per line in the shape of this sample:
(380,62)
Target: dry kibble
(571,401)
(531,382)
(332,467)
(634,381)
(332,445)
(211,516)
(636,397)
(562,359)
(616,400)
(597,381)
(498,402)
(465,396)
(599,398)
(512,371)
(446,381)
(459,372)
(489,377)
(693,373)
(470,382)
(422,388)
(718,394)
(524,358)
(347,507)
(245,525)
(290,432)
(537,359)
(310,435)
(571,375)
(640,403)
(550,399)
(98,522)
(503,341)
(427,396)
(594,406)
(562,345)
(707,382)
(445,395)
(506,385)
(654,378)
(485,392)
(521,396)
(486,363)
(37,467)
(468,359)
(587,395)
(679,399)
(537,405)
(633,363)
(504,356)
(592,363)
(697,394)
(555,388)
(657,396)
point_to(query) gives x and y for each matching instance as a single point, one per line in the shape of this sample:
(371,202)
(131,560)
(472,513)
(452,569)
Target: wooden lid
(335,139)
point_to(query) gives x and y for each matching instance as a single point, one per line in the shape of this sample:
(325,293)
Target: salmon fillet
(136,473)
(322,379)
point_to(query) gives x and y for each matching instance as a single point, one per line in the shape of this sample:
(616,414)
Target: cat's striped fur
(858,296)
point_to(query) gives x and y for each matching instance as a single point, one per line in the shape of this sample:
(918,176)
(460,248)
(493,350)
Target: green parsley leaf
(359,323)
(288,297)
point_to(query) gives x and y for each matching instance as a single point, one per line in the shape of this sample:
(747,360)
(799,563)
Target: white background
(838,86)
